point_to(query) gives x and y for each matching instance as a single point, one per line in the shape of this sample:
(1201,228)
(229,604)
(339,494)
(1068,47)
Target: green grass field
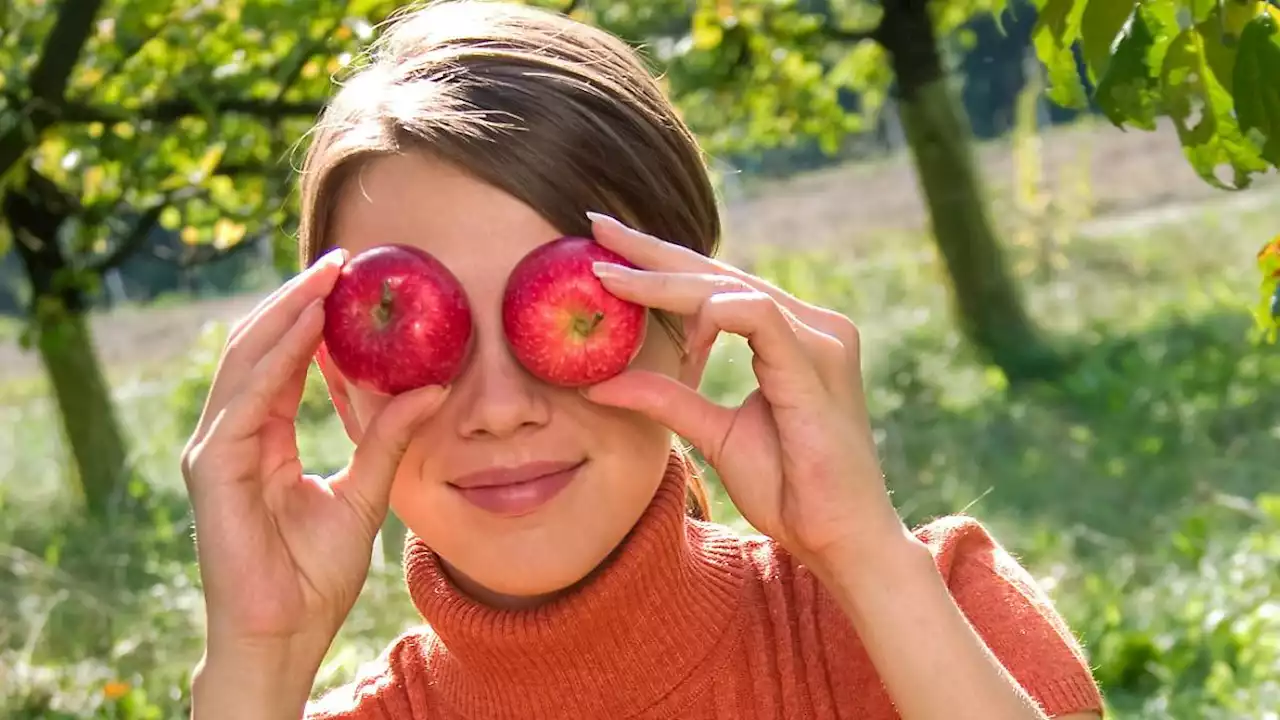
(1136,489)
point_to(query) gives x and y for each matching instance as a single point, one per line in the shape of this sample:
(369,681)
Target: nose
(501,398)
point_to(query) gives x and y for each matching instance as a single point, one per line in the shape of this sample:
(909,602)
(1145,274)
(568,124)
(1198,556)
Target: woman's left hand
(796,456)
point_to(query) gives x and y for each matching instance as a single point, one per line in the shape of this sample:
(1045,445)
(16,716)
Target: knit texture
(691,620)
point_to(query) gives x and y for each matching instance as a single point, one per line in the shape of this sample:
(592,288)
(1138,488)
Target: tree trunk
(63,340)
(88,415)
(991,310)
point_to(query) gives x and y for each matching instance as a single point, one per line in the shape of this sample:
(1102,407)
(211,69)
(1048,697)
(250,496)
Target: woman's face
(497,415)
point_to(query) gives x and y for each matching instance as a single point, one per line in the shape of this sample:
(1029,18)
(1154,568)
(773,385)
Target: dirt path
(1127,173)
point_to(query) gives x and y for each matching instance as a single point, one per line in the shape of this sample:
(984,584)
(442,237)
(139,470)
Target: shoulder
(1004,603)
(379,689)
(1014,615)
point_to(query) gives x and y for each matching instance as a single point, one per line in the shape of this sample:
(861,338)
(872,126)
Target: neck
(616,642)
(504,602)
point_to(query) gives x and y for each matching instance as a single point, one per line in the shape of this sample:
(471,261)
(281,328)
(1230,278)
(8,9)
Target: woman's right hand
(283,555)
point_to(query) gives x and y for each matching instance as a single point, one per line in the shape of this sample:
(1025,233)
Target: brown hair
(559,114)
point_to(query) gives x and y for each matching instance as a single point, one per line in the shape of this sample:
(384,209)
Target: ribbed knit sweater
(692,620)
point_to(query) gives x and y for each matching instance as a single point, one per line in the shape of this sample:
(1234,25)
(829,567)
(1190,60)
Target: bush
(1193,631)
(192,389)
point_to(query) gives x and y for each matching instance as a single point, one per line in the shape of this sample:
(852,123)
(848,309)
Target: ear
(338,394)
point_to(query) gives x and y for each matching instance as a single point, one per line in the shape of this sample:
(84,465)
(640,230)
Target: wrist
(860,570)
(874,541)
(255,680)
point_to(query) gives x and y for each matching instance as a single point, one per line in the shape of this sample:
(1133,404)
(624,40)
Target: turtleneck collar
(617,645)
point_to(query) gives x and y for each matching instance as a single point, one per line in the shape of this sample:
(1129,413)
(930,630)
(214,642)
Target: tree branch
(168,111)
(851,36)
(48,84)
(129,53)
(305,53)
(62,48)
(241,169)
(207,254)
(141,230)
(195,255)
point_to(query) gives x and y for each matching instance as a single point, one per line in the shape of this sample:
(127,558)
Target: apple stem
(583,326)
(382,313)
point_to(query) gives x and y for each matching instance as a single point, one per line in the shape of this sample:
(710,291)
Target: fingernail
(336,256)
(607,270)
(596,217)
(431,396)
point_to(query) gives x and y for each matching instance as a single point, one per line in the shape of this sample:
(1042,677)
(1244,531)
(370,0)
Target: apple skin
(561,323)
(397,319)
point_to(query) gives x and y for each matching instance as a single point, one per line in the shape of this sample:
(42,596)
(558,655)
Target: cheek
(659,352)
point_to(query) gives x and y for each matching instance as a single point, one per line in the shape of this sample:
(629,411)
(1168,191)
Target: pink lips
(516,491)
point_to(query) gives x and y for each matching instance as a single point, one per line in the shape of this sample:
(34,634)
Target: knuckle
(235,344)
(830,347)
(238,329)
(730,284)
(846,331)
(190,459)
(762,302)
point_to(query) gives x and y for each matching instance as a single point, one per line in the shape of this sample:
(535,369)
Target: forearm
(253,684)
(933,663)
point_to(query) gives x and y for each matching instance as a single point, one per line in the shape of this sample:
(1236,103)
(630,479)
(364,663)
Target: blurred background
(1063,324)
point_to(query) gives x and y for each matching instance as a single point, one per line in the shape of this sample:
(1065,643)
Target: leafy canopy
(188,111)
(1210,66)
(185,111)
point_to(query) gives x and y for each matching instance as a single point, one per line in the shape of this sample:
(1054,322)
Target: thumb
(671,403)
(366,483)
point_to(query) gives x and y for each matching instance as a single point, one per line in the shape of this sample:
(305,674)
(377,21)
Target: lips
(516,491)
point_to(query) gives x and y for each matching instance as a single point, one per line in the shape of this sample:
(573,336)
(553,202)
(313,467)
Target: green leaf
(1269,288)
(1161,17)
(1257,86)
(1202,110)
(1221,55)
(1056,31)
(1128,92)
(1099,26)
(1202,9)
(707,31)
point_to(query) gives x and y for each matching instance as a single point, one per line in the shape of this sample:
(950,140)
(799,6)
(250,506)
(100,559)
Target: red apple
(397,319)
(560,321)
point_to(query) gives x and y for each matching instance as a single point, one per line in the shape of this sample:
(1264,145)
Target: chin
(533,573)
(537,561)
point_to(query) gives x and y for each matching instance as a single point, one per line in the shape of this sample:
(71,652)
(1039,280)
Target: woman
(478,132)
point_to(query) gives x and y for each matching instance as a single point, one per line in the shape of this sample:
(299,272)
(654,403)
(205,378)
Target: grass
(1135,488)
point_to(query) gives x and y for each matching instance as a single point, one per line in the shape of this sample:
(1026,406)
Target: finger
(652,253)
(259,331)
(366,484)
(276,376)
(278,437)
(824,354)
(670,403)
(722,303)
(682,293)
(324,268)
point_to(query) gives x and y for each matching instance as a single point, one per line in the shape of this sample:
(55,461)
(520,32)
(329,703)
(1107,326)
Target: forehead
(477,230)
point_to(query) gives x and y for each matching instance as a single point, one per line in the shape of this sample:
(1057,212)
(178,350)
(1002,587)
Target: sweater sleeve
(1014,615)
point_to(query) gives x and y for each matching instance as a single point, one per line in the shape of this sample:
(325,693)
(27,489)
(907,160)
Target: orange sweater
(693,621)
